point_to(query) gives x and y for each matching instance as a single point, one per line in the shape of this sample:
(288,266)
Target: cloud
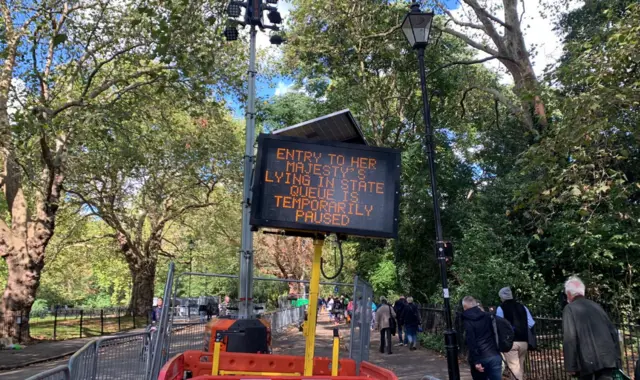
(282,88)
(542,41)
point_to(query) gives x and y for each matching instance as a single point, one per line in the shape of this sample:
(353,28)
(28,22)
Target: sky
(539,36)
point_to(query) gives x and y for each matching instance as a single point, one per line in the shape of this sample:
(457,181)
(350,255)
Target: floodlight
(230,33)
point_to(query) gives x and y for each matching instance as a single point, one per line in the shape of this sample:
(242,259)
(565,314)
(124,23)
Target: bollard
(101,322)
(80,323)
(335,359)
(215,367)
(55,323)
(118,313)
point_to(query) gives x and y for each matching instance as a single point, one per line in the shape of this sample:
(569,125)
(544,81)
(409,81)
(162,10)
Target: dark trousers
(385,340)
(603,374)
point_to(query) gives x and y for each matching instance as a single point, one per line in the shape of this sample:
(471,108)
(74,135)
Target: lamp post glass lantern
(416,27)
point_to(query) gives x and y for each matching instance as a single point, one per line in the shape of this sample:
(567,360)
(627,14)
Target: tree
(72,57)
(502,38)
(353,55)
(582,196)
(284,257)
(184,157)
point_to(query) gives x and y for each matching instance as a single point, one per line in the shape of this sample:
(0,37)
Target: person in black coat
(411,319)
(484,358)
(591,347)
(398,307)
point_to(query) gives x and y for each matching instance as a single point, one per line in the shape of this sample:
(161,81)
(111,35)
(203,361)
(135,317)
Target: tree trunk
(143,275)
(19,294)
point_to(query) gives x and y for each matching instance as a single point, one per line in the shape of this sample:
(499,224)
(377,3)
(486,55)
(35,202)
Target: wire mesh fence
(82,364)
(547,361)
(361,322)
(57,373)
(122,357)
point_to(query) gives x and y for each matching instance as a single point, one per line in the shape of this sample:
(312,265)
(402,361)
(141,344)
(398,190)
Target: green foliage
(39,305)
(432,341)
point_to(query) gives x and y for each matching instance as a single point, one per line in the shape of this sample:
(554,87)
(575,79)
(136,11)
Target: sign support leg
(314,287)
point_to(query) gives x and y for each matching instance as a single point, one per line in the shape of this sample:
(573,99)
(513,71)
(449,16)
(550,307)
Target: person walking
(411,319)
(330,304)
(591,347)
(520,318)
(224,306)
(484,357)
(398,306)
(384,314)
(373,316)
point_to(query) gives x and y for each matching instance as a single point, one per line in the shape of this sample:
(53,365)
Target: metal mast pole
(450,337)
(245,306)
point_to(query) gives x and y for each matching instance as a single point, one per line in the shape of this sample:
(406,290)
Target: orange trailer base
(239,366)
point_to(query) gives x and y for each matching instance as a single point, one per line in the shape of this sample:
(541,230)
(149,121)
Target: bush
(40,306)
(432,341)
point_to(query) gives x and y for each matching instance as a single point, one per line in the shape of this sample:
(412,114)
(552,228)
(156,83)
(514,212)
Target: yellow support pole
(215,367)
(310,325)
(335,359)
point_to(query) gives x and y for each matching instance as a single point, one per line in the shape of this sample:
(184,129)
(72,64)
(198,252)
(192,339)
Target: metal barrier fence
(57,373)
(547,362)
(361,322)
(282,319)
(112,358)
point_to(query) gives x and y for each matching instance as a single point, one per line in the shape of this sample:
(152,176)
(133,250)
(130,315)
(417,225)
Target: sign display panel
(331,187)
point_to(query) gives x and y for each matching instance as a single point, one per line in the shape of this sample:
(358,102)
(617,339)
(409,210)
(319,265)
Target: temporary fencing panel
(122,357)
(57,373)
(361,322)
(282,319)
(84,362)
(186,336)
(160,343)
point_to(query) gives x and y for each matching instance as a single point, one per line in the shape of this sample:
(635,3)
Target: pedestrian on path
(591,347)
(374,307)
(398,307)
(411,319)
(330,303)
(520,318)
(385,319)
(484,357)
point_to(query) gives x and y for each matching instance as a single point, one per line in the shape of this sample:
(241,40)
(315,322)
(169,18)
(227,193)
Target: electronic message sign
(333,187)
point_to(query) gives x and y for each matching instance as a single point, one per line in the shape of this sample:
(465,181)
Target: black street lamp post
(416,27)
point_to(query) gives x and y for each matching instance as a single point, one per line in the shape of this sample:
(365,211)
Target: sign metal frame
(258,186)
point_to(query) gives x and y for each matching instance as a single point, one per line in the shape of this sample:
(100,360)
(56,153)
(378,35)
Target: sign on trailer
(332,187)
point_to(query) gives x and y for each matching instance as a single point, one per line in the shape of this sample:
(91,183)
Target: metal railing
(547,362)
(61,324)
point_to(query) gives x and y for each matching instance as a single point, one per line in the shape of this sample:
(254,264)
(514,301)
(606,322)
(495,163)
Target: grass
(70,328)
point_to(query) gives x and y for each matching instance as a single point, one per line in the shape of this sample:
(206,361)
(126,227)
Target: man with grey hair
(520,318)
(591,348)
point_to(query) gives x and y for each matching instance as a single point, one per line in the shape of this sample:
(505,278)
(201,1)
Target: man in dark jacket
(591,348)
(520,318)
(398,307)
(484,358)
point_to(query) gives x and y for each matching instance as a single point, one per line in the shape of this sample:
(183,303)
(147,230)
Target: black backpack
(503,331)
